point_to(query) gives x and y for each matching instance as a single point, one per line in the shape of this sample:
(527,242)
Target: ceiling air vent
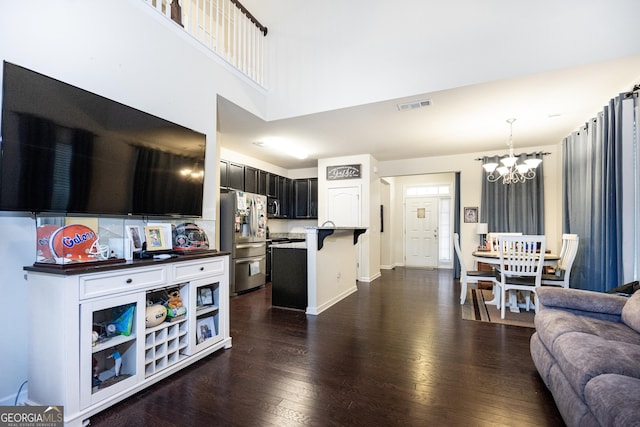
(414,104)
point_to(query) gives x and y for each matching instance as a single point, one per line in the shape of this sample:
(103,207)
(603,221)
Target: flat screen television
(67,150)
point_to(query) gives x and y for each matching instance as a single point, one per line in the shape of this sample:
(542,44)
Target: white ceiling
(464,118)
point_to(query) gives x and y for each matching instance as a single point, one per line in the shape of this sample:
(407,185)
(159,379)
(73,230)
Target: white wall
(489,41)
(242,159)
(369,242)
(130,53)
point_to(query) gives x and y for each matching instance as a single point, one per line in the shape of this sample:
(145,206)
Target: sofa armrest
(587,303)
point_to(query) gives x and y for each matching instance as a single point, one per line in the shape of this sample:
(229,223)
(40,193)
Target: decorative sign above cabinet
(343,172)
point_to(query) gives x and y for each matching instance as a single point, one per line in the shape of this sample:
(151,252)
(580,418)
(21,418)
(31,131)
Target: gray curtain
(515,207)
(456,225)
(592,204)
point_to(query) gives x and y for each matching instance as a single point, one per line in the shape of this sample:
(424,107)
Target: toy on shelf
(155,314)
(175,301)
(175,309)
(95,380)
(117,362)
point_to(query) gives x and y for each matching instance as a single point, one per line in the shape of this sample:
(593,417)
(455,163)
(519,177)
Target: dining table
(493,258)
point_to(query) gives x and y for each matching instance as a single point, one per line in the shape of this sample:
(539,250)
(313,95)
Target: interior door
(421,232)
(343,206)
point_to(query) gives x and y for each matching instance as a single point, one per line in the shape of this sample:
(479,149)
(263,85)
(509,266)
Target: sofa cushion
(614,400)
(631,312)
(587,303)
(552,323)
(583,356)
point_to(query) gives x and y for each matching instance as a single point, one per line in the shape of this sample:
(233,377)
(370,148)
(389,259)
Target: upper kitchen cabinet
(236,177)
(250,179)
(305,196)
(272,185)
(231,176)
(262,182)
(283,192)
(296,198)
(224,174)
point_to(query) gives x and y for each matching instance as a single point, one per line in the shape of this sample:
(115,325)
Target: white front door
(421,222)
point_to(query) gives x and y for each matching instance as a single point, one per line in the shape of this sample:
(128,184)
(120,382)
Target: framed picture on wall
(471,214)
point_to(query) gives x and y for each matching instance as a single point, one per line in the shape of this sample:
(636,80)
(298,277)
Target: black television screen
(67,150)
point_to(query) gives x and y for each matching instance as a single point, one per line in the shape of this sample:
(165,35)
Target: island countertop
(292,245)
(313,227)
(323,232)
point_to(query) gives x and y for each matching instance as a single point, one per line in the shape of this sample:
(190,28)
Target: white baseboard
(11,400)
(370,279)
(317,310)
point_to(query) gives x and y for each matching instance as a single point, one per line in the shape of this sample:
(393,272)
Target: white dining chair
(467,276)
(492,239)
(563,268)
(521,264)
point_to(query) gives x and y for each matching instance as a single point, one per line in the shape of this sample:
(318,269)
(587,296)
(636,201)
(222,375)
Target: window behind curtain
(513,207)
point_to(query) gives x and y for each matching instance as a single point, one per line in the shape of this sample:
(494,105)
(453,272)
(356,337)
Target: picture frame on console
(205,296)
(134,234)
(205,329)
(156,240)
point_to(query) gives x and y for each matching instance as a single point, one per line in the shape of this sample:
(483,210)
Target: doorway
(426,224)
(421,232)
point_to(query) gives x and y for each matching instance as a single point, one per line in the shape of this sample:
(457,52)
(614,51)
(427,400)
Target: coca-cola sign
(343,172)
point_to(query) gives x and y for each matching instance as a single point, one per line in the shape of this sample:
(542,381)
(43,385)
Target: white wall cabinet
(66,306)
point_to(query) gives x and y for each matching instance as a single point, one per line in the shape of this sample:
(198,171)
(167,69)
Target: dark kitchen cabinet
(296,198)
(313,197)
(289,277)
(301,198)
(262,182)
(224,174)
(305,197)
(236,177)
(250,179)
(284,196)
(272,184)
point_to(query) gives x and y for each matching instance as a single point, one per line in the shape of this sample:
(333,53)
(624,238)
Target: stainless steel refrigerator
(243,232)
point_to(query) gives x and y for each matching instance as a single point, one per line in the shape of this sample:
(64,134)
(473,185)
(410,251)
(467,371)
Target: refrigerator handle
(250,245)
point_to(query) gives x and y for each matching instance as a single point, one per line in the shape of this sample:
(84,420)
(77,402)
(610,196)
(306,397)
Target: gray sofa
(587,350)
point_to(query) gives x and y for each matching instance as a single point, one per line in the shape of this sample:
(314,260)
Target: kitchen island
(289,276)
(331,265)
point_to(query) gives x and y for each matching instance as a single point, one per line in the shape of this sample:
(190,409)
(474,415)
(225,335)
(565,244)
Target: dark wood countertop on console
(97,267)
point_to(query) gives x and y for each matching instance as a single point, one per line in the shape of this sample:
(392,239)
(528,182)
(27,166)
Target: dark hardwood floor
(395,353)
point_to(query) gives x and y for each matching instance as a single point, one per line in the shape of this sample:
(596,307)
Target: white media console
(66,306)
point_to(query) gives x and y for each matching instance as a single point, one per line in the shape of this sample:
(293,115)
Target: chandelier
(511,171)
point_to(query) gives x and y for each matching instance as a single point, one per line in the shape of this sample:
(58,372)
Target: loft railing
(224,26)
